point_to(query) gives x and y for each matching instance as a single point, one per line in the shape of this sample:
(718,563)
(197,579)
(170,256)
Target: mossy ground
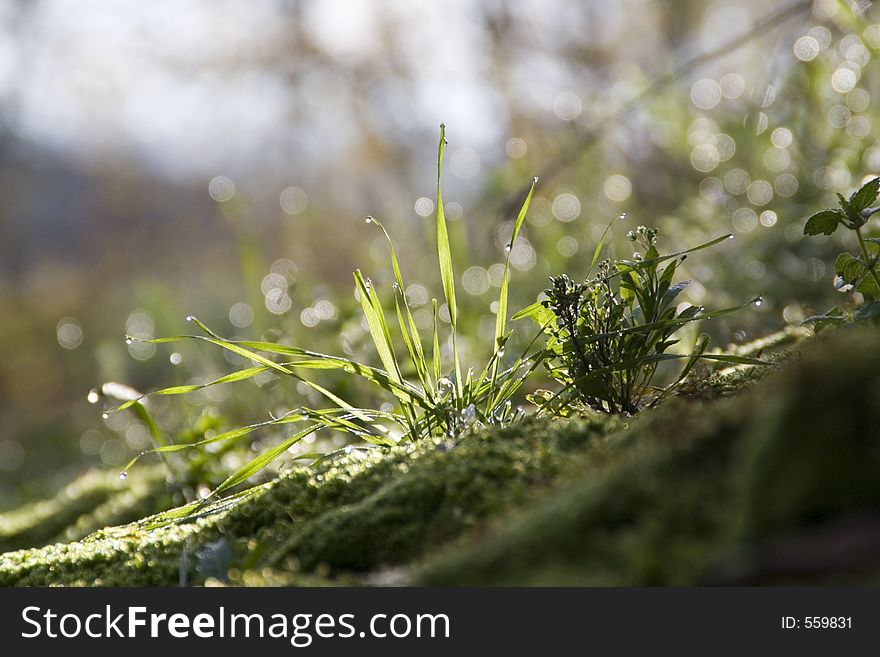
(740,481)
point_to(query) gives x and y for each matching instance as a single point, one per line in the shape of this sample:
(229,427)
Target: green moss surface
(750,477)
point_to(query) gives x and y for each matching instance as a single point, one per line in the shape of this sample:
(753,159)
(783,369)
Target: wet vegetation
(670,408)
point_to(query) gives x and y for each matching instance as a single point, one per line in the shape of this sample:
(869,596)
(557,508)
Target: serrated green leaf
(823,223)
(865,195)
(850,268)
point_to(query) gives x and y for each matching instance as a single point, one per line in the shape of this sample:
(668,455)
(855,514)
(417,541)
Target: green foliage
(858,274)
(428,402)
(606,336)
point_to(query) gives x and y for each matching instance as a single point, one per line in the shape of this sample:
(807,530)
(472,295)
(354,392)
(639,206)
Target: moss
(95,500)
(353,514)
(705,488)
(694,487)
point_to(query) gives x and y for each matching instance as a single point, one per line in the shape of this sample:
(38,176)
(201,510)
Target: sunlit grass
(439,400)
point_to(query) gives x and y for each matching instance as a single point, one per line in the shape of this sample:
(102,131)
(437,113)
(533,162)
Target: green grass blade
(239,375)
(528,311)
(501,315)
(262,460)
(631,266)
(408,328)
(666,323)
(444,252)
(602,243)
(377,326)
(145,417)
(437,366)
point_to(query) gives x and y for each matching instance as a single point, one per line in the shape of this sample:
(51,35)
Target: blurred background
(218,158)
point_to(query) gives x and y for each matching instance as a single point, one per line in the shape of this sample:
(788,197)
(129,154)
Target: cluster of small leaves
(856,274)
(606,336)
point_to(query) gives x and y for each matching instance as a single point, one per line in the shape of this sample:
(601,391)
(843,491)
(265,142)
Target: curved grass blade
(501,314)
(447,275)
(408,328)
(261,461)
(602,243)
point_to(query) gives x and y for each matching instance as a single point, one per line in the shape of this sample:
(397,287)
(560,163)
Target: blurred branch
(570,154)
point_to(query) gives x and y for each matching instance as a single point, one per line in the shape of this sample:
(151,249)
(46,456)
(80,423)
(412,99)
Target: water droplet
(759,301)
(395,286)
(123,475)
(500,353)
(105,415)
(508,246)
(189,318)
(128,339)
(622,216)
(535,179)
(348,449)
(446,142)
(369,219)
(730,236)
(93,396)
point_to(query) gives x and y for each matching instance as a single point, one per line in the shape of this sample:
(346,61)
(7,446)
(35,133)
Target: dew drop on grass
(535,179)
(348,449)
(369,219)
(93,396)
(123,475)
(128,339)
(508,246)
(730,236)
(189,318)
(759,301)
(105,415)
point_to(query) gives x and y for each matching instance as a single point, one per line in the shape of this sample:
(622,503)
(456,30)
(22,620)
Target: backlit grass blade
(501,315)
(436,345)
(254,356)
(377,326)
(408,328)
(601,243)
(230,435)
(145,417)
(444,252)
(667,323)
(651,262)
(239,375)
(317,360)
(261,461)
(528,311)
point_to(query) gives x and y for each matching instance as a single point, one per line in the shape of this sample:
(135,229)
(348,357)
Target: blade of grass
(501,315)
(602,243)
(447,275)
